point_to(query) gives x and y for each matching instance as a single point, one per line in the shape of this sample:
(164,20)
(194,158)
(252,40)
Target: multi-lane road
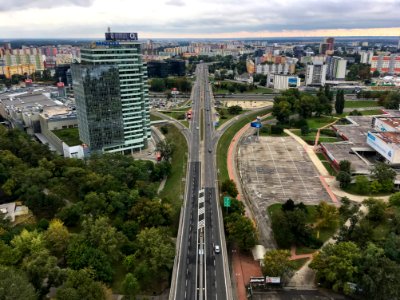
(201,273)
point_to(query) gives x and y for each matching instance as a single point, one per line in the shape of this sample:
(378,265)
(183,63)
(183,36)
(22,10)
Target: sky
(199,18)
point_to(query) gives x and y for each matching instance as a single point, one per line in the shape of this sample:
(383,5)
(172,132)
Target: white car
(217,249)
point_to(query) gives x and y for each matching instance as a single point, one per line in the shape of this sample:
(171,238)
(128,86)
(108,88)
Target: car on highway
(209,150)
(217,249)
(197,127)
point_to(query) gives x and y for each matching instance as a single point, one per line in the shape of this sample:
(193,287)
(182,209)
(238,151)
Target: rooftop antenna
(109,29)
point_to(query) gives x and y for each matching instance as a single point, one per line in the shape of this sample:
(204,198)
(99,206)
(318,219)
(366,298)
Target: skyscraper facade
(111,92)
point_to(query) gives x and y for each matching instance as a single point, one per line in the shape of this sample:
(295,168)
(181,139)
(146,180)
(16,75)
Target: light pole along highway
(201,271)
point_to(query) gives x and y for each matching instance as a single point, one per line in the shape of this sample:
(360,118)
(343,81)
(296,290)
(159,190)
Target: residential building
(386,64)
(326,47)
(336,68)
(284,82)
(250,66)
(316,74)
(366,57)
(111,93)
(20,61)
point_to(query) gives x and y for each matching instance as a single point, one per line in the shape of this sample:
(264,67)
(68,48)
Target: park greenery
(97,224)
(381,179)
(305,105)
(365,260)
(303,226)
(224,87)
(339,103)
(163,84)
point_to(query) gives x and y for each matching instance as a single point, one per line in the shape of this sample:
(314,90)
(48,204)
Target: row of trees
(365,259)
(162,84)
(239,229)
(233,87)
(93,217)
(293,101)
(381,179)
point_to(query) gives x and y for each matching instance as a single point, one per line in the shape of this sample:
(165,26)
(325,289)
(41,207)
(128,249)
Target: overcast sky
(198,18)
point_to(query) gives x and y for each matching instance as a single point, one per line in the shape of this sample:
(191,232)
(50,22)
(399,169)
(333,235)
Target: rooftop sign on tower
(121,36)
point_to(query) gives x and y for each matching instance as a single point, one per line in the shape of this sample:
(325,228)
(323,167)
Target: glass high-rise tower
(111,92)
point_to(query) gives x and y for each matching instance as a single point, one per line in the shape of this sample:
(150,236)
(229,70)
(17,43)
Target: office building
(316,74)
(111,91)
(386,64)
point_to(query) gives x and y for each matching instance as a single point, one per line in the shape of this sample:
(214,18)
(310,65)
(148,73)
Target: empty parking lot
(276,169)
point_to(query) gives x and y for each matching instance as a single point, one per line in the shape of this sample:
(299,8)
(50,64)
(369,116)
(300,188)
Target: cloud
(11,5)
(175,3)
(205,17)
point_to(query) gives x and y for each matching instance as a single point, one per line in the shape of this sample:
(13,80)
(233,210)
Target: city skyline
(192,19)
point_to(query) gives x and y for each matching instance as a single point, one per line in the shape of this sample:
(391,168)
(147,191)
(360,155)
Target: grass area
(226,138)
(318,122)
(326,164)
(227,115)
(371,112)
(154,117)
(177,114)
(298,263)
(69,135)
(352,189)
(310,137)
(174,187)
(360,103)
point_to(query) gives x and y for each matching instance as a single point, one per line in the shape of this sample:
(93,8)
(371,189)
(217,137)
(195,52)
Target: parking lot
(276,169)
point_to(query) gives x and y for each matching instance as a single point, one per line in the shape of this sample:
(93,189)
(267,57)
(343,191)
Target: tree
(241,231)
(376,73)
(154,256)
(345,166)
(81,285)
(277,264)
(235,109)
(157,85)
(376,209)
(305,105)
(362,185)
(14,285)
(328,215)
(336,265)
(228,186)
(394,199)
(166,149)
(130,286)
(57,237)
(339,103)
(385,175)
(281,110)
(391,100)
(378,275)
(344,179)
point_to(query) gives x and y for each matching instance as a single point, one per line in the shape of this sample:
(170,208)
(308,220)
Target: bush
(305,130)
(394,199)
(164,129)
(276,129)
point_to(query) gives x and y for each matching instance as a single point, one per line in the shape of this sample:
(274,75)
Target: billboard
(381,147)
(272,279)
(121,36)
(292,82)
(256,124)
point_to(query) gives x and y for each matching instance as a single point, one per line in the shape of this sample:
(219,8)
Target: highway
(199,272)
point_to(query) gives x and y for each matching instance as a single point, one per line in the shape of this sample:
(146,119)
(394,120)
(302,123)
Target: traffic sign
(227,201)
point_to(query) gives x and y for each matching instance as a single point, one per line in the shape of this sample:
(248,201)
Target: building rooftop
(392,122)
(389,138)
